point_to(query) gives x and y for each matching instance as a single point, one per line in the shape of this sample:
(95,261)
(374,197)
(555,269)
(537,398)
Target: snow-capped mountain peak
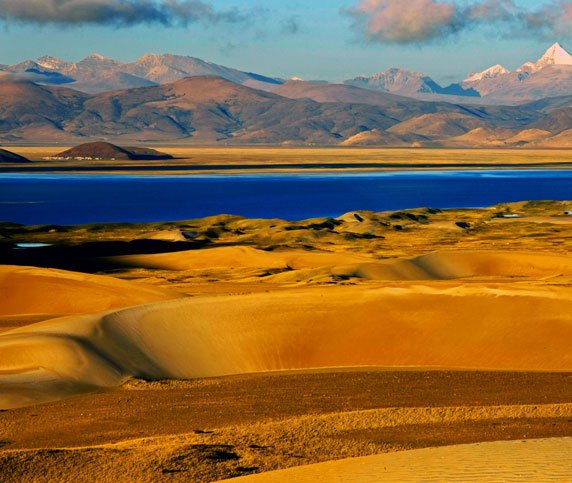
(527,67)
(490,73)
(555,55)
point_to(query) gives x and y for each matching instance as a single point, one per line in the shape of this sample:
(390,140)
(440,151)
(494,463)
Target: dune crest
(456,326)
(444,265)
(300,265)
(30,290)
(238,256)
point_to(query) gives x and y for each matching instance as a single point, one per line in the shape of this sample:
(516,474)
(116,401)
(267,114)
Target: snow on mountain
(490,73)
(550,76)
(547,77)
(555,55)
(527,68)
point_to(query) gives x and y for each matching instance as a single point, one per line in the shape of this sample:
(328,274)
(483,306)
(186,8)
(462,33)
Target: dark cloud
(414,21)
(117,13)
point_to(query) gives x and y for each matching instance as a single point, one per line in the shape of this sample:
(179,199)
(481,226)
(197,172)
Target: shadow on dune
(92,256)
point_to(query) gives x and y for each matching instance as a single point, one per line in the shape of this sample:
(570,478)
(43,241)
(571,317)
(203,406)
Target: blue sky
(325,46)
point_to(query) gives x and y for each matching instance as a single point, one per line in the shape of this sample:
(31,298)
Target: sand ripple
(542,460)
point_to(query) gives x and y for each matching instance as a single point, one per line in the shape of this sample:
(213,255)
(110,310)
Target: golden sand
(421,290)
(481,325)
(31,290)
(546,460)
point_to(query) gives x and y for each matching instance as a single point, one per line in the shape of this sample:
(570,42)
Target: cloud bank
(414,21)
(116,13)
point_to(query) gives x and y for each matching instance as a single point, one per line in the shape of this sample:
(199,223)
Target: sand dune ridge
(307,328)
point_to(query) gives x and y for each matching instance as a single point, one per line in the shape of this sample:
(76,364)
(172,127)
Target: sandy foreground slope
(218,451)
(546,460)
(277,344)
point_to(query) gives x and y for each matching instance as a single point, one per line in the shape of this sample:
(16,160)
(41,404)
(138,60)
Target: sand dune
(446,265)
(423,314)
(503,461)
(299,266)
(30,290)
(491,326)
(237,256)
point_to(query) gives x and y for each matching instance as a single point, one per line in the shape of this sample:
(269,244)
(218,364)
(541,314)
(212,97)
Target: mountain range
(97,73)
(166,98)
(213,110)
(549,76)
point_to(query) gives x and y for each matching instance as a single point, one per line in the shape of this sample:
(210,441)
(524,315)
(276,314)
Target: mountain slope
(210,110)
(97,73)
(407,83)
(490,73)
(551,81)
(399,107)
(28,110)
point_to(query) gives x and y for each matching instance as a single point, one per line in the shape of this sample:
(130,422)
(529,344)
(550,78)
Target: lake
(73,199)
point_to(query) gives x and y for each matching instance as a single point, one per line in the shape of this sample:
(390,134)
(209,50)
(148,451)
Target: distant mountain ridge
(408,83)
(549,76)
(97,73)
(168,98)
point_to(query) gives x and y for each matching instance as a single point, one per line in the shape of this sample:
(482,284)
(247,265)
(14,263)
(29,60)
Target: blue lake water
(73,199)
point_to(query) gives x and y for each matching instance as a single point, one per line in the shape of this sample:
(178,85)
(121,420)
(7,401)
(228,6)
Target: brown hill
(214,110)
(439,126)
(403,108)
(556,121)
(211,109)
(9,157)
(377,137)
(102,150)
(37,113)
(398,106)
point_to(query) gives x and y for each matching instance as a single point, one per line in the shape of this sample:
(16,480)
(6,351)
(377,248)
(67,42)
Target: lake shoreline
(288,159)
(331,168)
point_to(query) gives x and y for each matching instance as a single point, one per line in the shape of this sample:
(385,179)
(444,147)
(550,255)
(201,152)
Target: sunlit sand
(281,344)
(524,461)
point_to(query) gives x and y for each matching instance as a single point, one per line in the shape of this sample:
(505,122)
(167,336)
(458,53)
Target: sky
(315,39)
